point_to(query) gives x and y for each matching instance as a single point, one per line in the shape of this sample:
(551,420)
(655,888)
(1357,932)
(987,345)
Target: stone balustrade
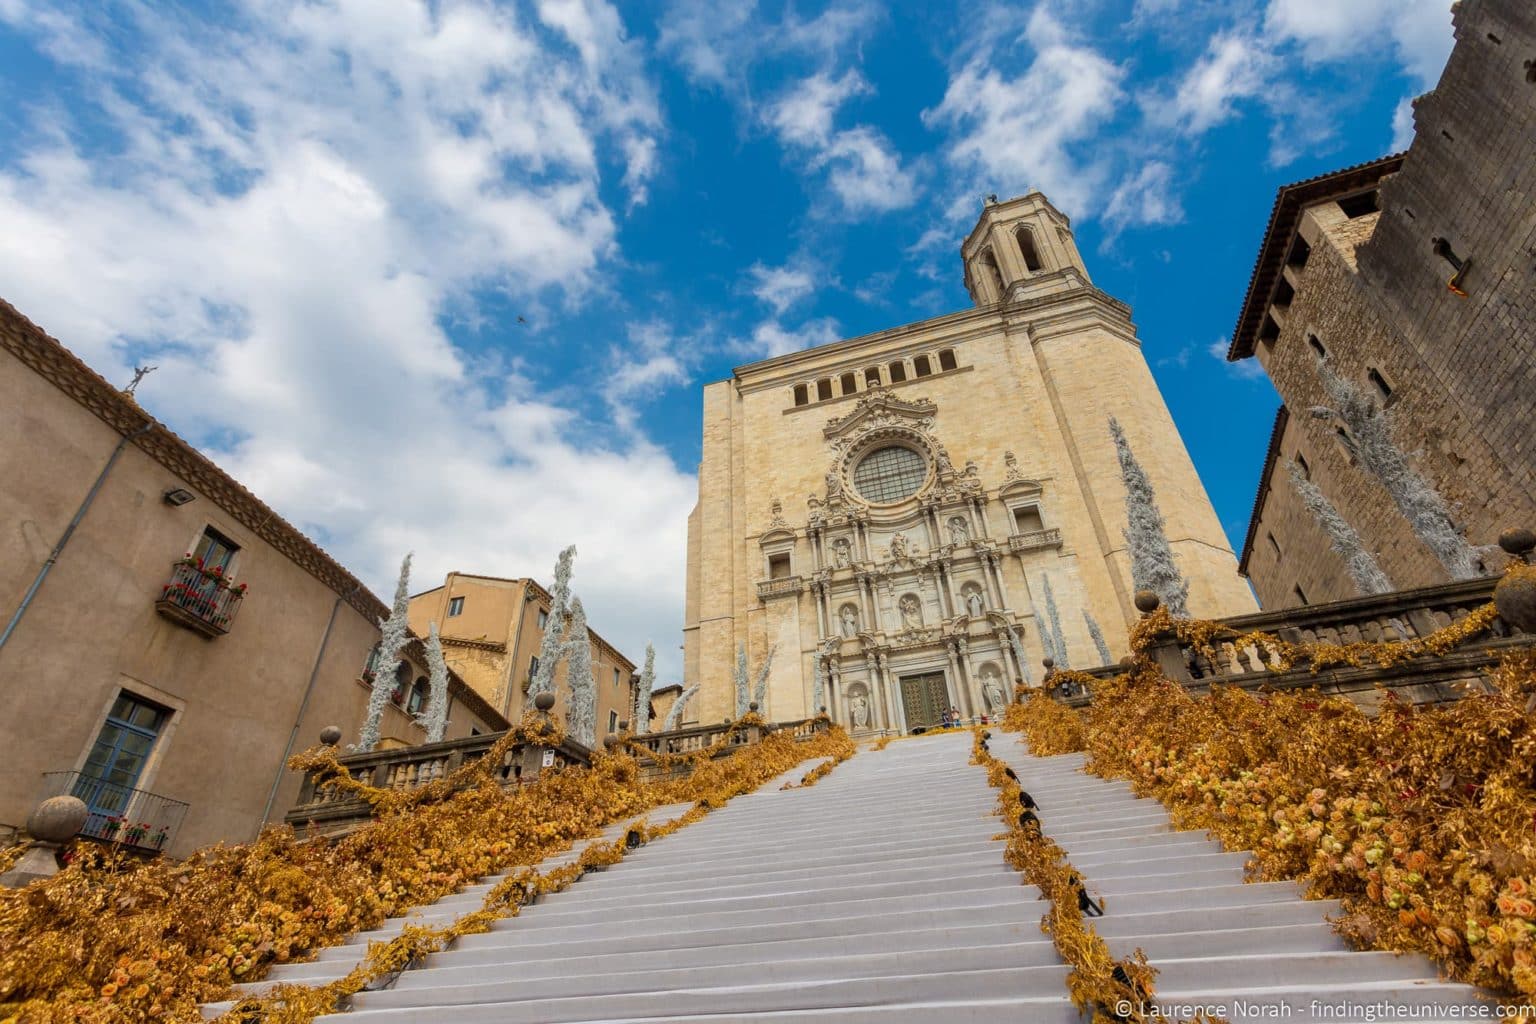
(1035,540)
(1401,615)
(782,586)
(324,810)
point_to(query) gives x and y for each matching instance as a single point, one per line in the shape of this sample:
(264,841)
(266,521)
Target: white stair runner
(1252,948)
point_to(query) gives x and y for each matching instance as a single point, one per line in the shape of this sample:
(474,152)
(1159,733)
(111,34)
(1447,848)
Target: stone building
(491,629)
(1414,277)
(167,638)
(890,507)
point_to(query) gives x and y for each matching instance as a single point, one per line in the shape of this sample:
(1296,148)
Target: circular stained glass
(890,474)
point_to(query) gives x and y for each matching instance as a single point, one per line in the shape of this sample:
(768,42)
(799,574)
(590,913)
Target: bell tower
(1021,248)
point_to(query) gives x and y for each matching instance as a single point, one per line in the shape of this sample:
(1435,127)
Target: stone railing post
(1167,651)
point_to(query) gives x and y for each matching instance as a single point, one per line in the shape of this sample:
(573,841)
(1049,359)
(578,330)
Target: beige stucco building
(167,638)
(1411,277)
(889,507)
(491,629)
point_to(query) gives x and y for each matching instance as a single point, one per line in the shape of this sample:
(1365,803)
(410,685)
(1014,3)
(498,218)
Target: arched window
(802,395)
(421,690)
(1026,240)
(898,372)
(823,390)
(920,366)
(987,264)
(849,383)
(947,359)
(403,675)
(872,377)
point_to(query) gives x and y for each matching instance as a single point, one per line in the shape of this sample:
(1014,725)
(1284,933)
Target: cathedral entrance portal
(924,698)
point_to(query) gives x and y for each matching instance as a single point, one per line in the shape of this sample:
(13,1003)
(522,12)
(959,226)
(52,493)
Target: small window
(1269,330)
(1027,520)
(1284,293)
(1380,384)
(778,567)
(849,383)
(1274,544)
(802,395)
(987,263)
(947,359)
(1301,464)
(214,551)
(119,755)
(533,666)
(872,377)
(543,617)
(403,672)
(1316,347)
(615,679)
(613,721)
(920,366)
(474,730)
(823,390)
(1301,595)
(898,373)
(1360,205)
(455,606)
(420,692)
(1026,240)
(1346,442)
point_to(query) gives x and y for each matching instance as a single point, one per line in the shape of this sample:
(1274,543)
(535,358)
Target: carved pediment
(877,407)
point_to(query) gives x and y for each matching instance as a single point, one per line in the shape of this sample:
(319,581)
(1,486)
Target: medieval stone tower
(892,512)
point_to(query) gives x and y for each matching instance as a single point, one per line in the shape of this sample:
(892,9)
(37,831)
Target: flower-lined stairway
(1240,950)
(879,895)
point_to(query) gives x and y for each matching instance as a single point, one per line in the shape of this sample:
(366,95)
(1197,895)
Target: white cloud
(1402,125)
(781,287)
(1245,369)
(771,339)
(1419,31)
(1233,67)
(1012,132)
(298,207)
(1148,197)
(803,115)
(717,44)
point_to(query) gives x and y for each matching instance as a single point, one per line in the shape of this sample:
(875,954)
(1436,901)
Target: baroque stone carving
(959,532)
(911,612)
(850,618)
(858,711)
(776,510)
(1011,470)
(974,604)
(841,553)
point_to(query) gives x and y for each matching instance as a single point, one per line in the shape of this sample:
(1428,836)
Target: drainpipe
(293,735)
(69,531)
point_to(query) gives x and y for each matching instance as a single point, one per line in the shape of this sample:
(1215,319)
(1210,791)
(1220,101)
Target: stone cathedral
(898,515)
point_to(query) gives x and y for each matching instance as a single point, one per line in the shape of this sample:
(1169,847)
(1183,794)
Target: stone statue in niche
(974,604)
(959,533)
(834,483)
(850,621)
(900,547)
(911,612)
(992,689)
(841,556)
(858,711)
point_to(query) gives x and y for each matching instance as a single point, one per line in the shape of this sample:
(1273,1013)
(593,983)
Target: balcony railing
(119,814)
(1035,540)
(1400,615)
(204,601)
(780,586)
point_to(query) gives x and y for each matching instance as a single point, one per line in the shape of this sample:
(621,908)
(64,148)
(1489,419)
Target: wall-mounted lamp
(178,496)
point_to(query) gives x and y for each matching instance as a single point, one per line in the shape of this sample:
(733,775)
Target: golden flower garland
(109,941)
(1092,984)
(1422,820)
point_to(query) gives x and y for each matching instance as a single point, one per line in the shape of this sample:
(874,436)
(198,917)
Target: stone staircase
(879,896)
(1215,940)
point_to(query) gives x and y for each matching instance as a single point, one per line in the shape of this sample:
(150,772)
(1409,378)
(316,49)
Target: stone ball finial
(330,735)
(752,706)
(1049,663)
(1146,601)
(610,741)
(544,701)
(1518,542)
(1127,662)
(1515,599)
(823,709)
(57,819)
(623,725)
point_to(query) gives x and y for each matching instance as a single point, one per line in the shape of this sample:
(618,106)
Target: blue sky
(323,221)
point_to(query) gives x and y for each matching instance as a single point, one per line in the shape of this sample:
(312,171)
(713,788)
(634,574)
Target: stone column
(818,556)
(961,686)
(819,595)
(1010,663)
(995,563)
(979,516)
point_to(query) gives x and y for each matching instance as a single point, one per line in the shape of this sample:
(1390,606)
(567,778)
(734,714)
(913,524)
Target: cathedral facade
(899,524)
